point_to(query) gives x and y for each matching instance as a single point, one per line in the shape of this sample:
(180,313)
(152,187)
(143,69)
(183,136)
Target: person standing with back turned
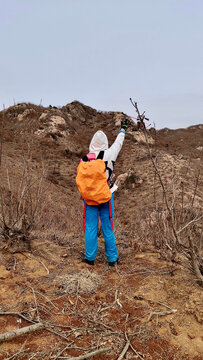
(99,150)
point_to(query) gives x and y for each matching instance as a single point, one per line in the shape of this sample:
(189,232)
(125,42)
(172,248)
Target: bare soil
(97,305)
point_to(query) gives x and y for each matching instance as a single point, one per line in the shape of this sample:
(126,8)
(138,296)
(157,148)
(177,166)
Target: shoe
(112,263)
(89,262)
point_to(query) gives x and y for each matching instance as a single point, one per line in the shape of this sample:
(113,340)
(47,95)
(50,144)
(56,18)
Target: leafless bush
(20,199)
(175,224)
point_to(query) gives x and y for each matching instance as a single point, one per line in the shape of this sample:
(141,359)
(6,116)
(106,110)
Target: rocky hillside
(40,151)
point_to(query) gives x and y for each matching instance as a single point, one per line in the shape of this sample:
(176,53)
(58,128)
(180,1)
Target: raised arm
(113,151)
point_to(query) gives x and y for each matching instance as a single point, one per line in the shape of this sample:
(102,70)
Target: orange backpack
(92,182)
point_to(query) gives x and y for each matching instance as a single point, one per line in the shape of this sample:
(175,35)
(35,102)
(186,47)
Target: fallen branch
(124,351)
(135,351)
(89,355)
(61,351)
(14,333)
(161,313)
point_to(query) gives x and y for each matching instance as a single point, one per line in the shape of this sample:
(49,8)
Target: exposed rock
(129,178)
(43,116)
(140,138)
(26,114)
(57,120)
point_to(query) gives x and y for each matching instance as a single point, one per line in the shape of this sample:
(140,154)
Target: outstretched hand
(125,124)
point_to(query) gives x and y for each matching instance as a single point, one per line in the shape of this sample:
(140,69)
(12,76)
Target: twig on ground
(16,314)
(160,303)
(77,295)
(124,351)
(136,352)
(59,334)
(45,297)
(45,310)
(89,355)
(61,351)
(117,299)
(133,349)
(101,324)
(36,304)
(116,302)
(161,313)
(41,262)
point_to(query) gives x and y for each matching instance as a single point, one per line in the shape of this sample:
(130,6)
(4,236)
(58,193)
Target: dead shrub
(175,225)
(20,201)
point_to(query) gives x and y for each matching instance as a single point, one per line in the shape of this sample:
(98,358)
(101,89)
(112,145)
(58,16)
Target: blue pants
(91,230)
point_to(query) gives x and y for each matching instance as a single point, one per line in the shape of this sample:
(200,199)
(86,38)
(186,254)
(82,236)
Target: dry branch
(14,333)
(89,355)
(20,314)
(41,262)
(141,118)
(61,351)
(195,189)
(161,313)
(138,355)
(124,351)
(188,224)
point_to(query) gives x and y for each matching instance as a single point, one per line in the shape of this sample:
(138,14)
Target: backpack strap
(84,216)
(85,158)
(110,214)
(100,155)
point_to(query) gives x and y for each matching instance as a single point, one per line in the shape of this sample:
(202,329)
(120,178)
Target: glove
(125,124)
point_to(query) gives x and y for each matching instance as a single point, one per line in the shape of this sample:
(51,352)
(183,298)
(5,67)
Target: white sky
(101,52)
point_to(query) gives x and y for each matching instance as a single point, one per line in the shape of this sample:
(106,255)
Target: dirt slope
(86,307)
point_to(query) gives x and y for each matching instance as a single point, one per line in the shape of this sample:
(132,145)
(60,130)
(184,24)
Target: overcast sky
(101,52)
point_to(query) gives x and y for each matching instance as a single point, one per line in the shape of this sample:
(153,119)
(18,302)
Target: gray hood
(99,142)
